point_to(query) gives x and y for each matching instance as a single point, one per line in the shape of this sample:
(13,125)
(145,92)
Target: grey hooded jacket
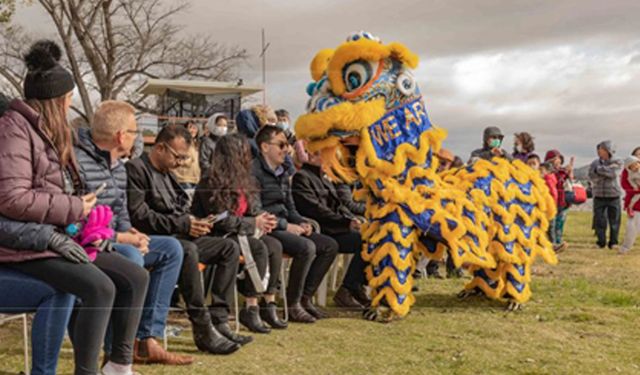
(603,174)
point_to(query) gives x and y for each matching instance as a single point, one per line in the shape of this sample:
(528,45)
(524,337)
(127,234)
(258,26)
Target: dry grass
(582,320)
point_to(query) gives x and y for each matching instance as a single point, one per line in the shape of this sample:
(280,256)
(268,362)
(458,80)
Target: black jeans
(275,262)
(224,255)
(312,258)
(351,243)
(260,255)
(111,286)
(607,211)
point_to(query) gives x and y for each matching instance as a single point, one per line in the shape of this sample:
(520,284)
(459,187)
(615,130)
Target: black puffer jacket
(275,193)
(95,169)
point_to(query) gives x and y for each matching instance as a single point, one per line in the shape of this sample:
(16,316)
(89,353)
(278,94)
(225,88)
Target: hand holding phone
(100,189)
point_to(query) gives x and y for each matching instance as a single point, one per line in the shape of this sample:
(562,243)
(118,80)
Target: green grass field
(582,319)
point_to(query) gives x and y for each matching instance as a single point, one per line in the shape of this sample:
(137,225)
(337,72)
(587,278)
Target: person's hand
(497,151)
(355,225)
(295,229)
(88,202)
(135,238)
(67,248)
(308,229)
(199,227)
(266,222)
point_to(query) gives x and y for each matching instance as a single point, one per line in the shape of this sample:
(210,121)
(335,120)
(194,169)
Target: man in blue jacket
(99,151)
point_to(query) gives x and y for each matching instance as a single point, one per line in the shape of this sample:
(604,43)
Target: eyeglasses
(281,145)
(175,154)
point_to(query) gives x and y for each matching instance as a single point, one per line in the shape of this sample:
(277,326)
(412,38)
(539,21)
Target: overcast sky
(566,71)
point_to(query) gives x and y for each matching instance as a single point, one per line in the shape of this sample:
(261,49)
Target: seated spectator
(188,173)
(316,197)
(231,188)
(533,160)
(345,194)
(556,160)
(630,181)
(523,146)
(312,253)
(218,126)
(491,146)
(603,174)
(158,205)
(99,151)
(249,121)
(40,187)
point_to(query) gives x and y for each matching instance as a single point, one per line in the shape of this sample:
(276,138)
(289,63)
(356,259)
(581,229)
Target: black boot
(250,318)
(269,314)
(209,340)
(312,309)
(226,331)
(298,314)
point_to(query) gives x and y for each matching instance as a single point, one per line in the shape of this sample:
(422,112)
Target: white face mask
(283,125)
(520,149)
(219,131)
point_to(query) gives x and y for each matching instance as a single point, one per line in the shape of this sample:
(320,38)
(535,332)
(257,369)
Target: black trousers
(607,211)
(274,248)
(312,258)
(224,254)
(110,287)
(351,243)
(260,255)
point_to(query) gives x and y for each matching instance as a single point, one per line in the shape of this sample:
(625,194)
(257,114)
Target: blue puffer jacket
(95,169)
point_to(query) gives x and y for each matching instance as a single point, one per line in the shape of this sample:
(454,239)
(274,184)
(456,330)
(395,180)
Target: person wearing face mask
(218,126)
(491,146)
(523,146)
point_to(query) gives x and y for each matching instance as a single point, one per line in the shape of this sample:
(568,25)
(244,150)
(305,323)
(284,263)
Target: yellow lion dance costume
(367,118)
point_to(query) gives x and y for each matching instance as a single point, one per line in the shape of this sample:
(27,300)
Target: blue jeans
(164,260)
(21,293)
(560,220)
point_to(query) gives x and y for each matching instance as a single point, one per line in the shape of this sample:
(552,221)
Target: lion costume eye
(357,74)
(406,84)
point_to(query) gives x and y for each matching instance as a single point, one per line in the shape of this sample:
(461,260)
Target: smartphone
(100,189)
(212,219)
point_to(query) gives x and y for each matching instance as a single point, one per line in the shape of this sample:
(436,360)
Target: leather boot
(269,314)
(226,331)
(250,318)
(148,351)
(361,296)
(208,340)
(343,298)
(299,314)
(312,309)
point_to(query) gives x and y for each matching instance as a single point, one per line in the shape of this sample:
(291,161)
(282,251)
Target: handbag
(574,192)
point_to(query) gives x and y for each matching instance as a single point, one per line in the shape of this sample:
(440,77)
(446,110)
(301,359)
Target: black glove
(68,248)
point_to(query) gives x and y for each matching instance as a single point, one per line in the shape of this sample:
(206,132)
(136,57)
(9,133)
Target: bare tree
(112,46)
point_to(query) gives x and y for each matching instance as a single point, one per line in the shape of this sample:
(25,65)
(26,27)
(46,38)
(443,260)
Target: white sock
(116,369)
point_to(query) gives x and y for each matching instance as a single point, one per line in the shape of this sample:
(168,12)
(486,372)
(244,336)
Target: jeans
(312,258)
(224,254)
(164,260)
(110,287)
(21,293)
(607,212)
(351,243)
(560,220)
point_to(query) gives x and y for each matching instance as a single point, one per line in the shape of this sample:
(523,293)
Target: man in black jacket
(312,253)
(317,198)
(158,205)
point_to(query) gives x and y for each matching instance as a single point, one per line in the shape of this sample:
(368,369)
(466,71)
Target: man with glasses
(158,205)
(312,253)
(99,151)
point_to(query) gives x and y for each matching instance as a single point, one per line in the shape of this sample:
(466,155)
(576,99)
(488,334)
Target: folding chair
(25,334)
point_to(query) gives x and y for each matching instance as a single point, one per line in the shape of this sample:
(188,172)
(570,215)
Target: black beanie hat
(46,78)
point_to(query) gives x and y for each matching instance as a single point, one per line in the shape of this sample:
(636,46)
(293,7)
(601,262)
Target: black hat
(46,78)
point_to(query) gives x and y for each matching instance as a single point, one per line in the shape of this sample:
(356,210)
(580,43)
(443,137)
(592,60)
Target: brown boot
(343,298)
(148,351)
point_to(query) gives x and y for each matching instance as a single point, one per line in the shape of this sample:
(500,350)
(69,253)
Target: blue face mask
(495,143)
(284,125)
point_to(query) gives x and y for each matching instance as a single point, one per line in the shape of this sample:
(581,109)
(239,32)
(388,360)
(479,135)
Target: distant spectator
(556,160)
(546,171)
(188,173)
(603,174)
(457,162)
(491,146)
(636,152)
(523,146)
(630,181)
(218,126)
(445,160)
(533,160)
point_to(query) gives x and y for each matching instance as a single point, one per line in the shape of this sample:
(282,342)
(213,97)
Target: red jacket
(630,192)
(552,184)
(561,176)
(31,179)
